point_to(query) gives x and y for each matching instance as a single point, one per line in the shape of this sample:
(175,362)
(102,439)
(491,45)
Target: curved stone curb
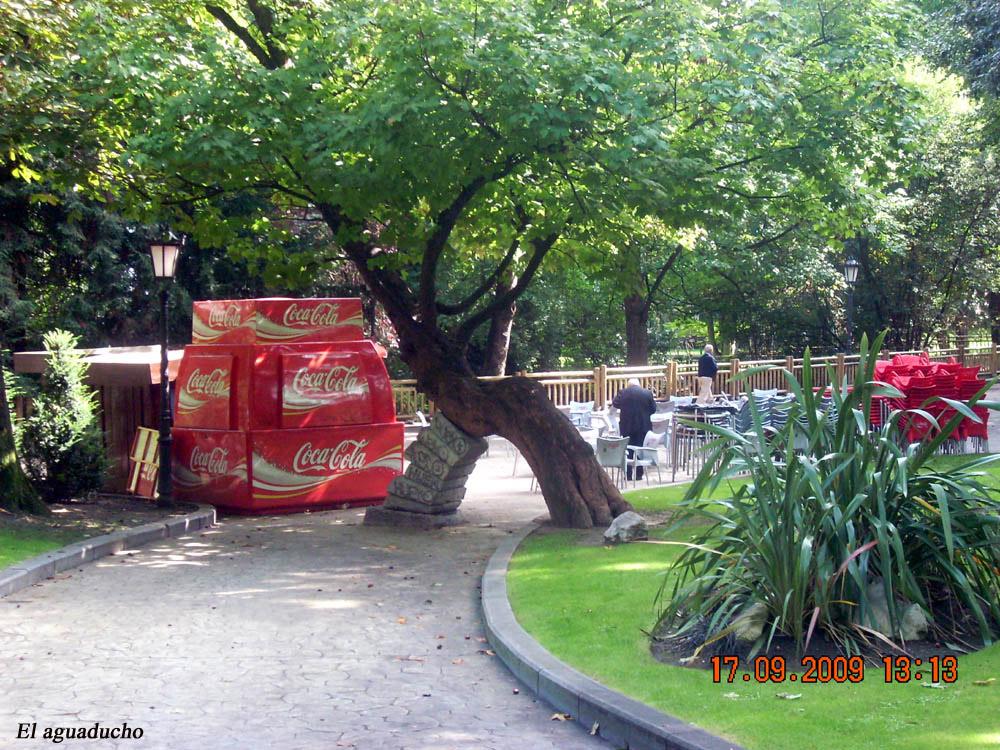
(625,722)
(34,569)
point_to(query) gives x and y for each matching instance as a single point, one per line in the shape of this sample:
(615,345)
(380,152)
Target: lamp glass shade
(851,271)
(165,259)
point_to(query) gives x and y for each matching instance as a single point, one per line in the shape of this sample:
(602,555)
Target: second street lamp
(164,253)
(851,277)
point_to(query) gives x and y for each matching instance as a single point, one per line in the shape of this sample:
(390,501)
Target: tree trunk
(993,302)
(577,491)
(636,330)
(498,339)
(16,492)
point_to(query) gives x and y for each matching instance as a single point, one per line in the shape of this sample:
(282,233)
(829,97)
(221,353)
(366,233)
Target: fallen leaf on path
(401,620)
(458,661)
(561,717)
(487,652)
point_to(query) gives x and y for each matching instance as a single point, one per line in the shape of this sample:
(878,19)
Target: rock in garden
(628,527)
(750,623)
(914,624)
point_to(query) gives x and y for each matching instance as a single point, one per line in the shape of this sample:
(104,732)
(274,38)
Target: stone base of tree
(433,486)
(382,516)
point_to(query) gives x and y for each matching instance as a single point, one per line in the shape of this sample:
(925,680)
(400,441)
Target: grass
(589,604)
(19,544)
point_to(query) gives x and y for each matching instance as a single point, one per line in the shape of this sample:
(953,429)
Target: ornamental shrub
(840,529)
(60,442)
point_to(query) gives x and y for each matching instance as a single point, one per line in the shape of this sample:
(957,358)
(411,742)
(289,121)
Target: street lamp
(165,253)
(851,277)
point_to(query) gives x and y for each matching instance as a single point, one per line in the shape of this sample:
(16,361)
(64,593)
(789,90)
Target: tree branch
(444,224)
(541,246)
(264,56)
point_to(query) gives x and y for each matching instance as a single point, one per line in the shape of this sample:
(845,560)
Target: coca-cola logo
(214,462)
(318,316)
(345,456)
(225,317)
(214,383)
(335,379)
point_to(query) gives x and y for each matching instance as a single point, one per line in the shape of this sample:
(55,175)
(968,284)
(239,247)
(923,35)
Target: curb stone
(27,572)
(621,720)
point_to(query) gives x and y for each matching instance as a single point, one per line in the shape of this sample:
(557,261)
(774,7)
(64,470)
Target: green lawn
(19,545)
(588,604)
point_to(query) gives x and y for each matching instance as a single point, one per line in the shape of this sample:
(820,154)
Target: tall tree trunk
(577,491)
(993,302)
(498,339)
(711,331)
(636,330)
(16,492)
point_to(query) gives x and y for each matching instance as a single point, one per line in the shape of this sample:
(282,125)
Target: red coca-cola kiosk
(282,405)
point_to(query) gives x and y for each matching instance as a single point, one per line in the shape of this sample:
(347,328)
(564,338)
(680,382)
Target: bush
(60,442)
(842,535)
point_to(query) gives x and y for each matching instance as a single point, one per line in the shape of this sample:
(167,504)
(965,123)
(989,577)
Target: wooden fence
(680,378)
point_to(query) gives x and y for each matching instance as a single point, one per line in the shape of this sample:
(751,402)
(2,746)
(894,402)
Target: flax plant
(833,511)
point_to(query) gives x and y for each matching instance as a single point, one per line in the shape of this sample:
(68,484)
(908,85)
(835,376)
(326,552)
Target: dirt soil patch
(101,514)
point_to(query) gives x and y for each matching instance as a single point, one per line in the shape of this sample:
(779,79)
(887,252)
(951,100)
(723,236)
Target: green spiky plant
(831,508)
(60,443)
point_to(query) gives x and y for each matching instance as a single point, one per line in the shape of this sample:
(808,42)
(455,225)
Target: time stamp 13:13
(820,669)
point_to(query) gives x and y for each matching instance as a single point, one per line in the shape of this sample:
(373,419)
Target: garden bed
(592,606)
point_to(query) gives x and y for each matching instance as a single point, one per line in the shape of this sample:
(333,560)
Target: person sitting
(636,405)
(707,367)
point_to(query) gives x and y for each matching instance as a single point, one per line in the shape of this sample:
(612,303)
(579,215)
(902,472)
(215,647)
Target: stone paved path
(305,631)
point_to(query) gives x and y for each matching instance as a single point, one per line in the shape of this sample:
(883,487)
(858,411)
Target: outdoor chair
(611,454)
(647,456)
(581,413)
(686,444)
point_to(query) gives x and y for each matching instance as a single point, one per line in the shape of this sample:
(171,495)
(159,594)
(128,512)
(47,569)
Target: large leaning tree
(510,131)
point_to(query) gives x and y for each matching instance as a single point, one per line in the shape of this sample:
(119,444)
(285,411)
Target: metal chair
(611,454)
(647,456)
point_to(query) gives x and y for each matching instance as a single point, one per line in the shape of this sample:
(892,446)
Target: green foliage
(60,442)
(830,511)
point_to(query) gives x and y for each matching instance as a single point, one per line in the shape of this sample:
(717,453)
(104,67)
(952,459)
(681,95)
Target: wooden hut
(127,382)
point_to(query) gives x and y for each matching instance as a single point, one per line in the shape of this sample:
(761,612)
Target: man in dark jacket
(707,368)
(636,405)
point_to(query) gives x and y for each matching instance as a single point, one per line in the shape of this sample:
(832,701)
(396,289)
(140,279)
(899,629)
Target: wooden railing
(680,378)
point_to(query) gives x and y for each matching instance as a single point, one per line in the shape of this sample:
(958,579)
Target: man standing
(636,405)
(707,368)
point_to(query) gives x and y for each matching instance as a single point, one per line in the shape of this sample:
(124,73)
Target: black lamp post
(164,253)
(851,277)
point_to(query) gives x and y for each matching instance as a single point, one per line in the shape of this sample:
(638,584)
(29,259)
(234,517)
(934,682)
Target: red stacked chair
(918,390)
(968,385)
(946,386)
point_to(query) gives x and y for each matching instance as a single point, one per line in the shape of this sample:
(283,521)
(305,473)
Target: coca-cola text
(318,316)
(214,383)
(347,455)
(214,462)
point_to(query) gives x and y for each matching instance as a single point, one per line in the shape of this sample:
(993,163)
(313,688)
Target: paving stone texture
(300,631)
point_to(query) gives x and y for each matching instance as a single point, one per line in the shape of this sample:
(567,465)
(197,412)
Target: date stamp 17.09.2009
(821,669)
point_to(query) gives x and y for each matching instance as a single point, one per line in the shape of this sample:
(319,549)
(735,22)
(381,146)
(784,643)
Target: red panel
(224,321)
(210,466)
(268,380)
(282,321)
(324,466)
(204,397)
(325,388)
